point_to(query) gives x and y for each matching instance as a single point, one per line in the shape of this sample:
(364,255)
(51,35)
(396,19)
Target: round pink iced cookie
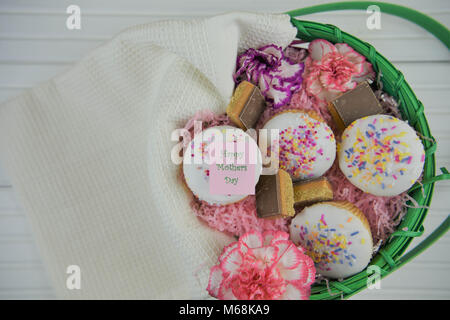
(196,163)
(381,155)
(307,147)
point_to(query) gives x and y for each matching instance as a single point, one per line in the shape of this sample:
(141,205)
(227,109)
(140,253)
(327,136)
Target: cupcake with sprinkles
(381,155)
(307,146)
(336,235)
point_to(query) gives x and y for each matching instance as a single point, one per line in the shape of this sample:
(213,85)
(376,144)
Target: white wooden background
(35,45)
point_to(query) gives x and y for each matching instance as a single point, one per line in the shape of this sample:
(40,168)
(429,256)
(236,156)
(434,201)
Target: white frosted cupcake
(306,143)
(381,155)
(336,235)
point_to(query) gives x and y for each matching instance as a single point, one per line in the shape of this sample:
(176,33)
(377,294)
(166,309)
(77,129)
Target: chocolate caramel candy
(309,192)
(275,196)
(354,104)
(246,105)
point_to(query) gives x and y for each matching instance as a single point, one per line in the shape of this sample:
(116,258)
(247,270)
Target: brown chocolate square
(275,196)
(253,109)
(309,192)
(268,202)
(354,104)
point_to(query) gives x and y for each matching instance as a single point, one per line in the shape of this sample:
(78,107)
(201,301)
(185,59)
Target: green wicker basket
(391,255)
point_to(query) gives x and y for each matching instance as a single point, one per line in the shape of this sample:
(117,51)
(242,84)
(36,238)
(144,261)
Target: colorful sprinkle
(299,148)
(378,153)
(327,246)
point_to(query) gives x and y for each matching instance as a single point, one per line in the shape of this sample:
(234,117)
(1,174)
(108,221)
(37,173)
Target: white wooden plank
(23,276)
(22,25)
(354,22)
(93,27)
(27,294)
(19,252)
(14,225)
(437,253)
(4,179)
(433,276)
(443,143)
(434,100)
(409,49)
(438,125)
(403,294)
(106,7)
(20,21)
(8,201)
(432,221)
(408,43)
(21,294)
(37,51)
(421,74)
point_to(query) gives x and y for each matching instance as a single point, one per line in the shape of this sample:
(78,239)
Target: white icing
(348,238)
(197,174)
(381,155)
(307,146)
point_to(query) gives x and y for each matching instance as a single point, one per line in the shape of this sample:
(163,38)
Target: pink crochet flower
(264,266)
(333,69)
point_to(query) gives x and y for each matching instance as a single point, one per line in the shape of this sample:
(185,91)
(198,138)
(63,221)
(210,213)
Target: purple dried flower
(275,74)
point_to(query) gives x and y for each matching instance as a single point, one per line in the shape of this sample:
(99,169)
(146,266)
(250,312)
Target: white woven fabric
(89,155)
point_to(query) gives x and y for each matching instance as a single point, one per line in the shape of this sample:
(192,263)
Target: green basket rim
(412,110)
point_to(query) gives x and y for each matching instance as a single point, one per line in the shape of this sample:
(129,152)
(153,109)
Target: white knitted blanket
(88,153)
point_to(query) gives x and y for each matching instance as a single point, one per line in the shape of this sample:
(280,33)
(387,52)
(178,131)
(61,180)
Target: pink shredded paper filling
(383,213)
(236,218)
